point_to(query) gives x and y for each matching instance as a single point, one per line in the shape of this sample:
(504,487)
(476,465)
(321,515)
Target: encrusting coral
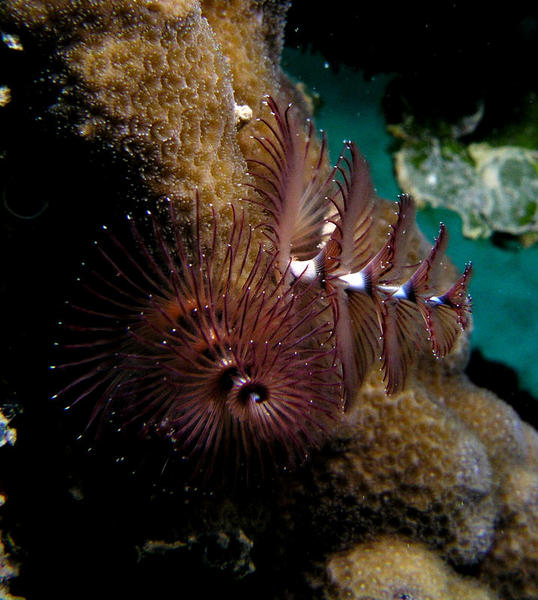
(511,565)
(148,81)
(408,459)
(393,568)
(439,473)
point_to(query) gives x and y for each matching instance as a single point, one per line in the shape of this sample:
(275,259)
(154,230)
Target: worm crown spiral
(384,308)
(212,350)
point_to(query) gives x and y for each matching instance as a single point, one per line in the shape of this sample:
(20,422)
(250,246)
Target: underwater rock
(510,176)
(494,189)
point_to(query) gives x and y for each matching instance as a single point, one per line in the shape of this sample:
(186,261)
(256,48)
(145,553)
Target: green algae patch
(494,189)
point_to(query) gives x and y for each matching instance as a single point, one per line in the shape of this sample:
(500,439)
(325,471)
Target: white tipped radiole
(321,230)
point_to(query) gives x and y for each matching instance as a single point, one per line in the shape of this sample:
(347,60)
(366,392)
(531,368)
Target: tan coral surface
(392,568)
(410,459)
(148,80)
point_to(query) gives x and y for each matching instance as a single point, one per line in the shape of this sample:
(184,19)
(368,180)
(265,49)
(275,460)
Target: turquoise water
(505,282)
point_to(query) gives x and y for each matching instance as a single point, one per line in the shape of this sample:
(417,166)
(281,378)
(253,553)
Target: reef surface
(129,104)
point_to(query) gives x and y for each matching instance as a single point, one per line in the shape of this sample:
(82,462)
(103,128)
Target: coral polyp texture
(259,307)
(133,82)
(393,568)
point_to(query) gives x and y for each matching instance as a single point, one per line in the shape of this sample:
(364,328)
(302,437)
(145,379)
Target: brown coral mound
(393,568)
(147,80)
(446,463)
(511,566)
(406,464)
(495,423)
